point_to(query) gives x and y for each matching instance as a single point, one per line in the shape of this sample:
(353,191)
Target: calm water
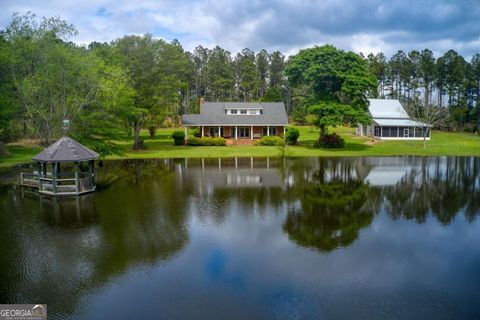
(356,238)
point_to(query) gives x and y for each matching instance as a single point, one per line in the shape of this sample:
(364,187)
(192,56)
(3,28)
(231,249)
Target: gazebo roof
(66,150)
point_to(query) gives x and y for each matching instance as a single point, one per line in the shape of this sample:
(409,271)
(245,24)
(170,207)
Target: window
(213,132)
(269,131)
(244,111)
(243,132)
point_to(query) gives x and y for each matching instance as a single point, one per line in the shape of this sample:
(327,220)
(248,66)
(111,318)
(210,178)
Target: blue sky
(288,25)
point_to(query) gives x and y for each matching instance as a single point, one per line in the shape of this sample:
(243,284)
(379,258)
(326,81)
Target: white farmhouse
(392,122)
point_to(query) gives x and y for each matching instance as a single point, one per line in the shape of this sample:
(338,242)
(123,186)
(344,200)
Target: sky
(285,25)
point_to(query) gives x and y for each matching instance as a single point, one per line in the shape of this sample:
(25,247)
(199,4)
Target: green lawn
(442,143)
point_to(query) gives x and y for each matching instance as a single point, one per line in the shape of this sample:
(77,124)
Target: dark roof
(213,113)
(66,150)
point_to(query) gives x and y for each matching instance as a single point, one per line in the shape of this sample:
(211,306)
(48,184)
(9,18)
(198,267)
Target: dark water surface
(351,238)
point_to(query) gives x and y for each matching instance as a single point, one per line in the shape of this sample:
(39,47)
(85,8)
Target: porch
(240,132)
(401,132)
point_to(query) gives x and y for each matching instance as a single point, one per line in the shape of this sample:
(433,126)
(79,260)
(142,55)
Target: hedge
(270,141)
(206,141)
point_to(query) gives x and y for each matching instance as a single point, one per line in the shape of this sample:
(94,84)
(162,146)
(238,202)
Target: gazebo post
(40,175)
(77,183)
(92,171)
(54,177)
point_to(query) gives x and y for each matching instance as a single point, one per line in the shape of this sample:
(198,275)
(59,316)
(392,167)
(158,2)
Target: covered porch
(239,132)
(401,132)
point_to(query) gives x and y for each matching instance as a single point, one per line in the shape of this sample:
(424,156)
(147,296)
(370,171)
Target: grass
(442,143)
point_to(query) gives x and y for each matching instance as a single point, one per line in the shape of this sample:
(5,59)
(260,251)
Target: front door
(243,132)
(406,132)
(377,131)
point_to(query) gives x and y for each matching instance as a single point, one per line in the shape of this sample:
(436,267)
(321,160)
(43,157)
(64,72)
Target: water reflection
(330,213)
(149,213)
(59,250)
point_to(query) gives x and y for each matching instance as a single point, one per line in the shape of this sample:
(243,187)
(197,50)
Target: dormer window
(249,111)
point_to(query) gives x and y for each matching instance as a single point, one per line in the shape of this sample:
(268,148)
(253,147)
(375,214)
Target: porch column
(219,131)
(284,131)
(186,133)
(202,131)
(268,131)
(251,133)
(236,132)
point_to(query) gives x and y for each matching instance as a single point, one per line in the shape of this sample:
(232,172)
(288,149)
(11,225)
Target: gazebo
(55,175)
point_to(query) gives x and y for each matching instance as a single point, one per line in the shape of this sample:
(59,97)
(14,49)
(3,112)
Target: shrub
(270,141)
(330,141)
(178,137)
(206,141)
(292,135)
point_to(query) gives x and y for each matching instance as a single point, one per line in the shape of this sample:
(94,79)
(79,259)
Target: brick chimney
(202,101)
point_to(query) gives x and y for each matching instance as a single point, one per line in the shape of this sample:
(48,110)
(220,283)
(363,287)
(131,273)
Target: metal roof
(213,113)
(66,150)
(387,109)
(390,112)
(400,123)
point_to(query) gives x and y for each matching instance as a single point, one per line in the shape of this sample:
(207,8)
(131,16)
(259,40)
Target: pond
(251,238)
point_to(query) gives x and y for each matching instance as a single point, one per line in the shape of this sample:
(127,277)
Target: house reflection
(210,174)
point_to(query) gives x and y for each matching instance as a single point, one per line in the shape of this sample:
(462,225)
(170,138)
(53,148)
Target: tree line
(418,77)
(112,90)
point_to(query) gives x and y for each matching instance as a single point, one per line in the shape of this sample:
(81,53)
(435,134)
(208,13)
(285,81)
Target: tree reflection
(442,187)
(335,205)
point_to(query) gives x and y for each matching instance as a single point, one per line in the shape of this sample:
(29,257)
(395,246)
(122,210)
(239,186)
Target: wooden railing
(59,186)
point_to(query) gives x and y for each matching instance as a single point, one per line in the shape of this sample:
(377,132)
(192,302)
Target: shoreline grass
(442,144)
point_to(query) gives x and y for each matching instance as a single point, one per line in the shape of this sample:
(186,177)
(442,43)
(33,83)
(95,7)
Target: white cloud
(369,26)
